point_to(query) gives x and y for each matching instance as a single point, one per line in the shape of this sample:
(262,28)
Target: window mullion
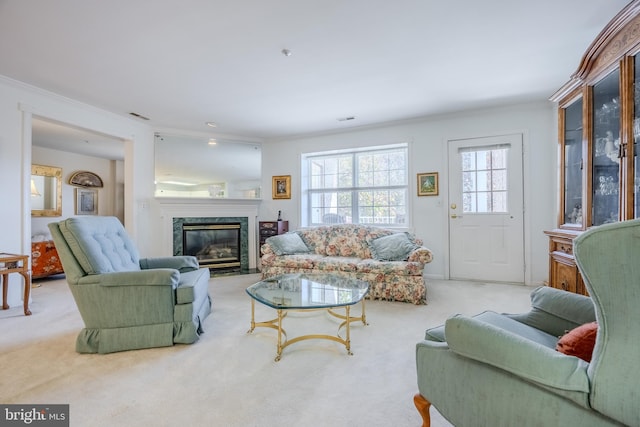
(354,193)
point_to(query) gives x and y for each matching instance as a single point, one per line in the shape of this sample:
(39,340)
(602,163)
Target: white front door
(486,209)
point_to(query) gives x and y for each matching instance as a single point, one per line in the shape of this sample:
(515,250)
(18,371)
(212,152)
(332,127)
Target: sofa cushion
(346,240)
(301,261)
(579,342)
(556,312)
(329,264)
(314,238)
(287,244)
(555,303)
(395,268)
(394,247)
(510,351)
(349,240)
(503,322)
(193,286)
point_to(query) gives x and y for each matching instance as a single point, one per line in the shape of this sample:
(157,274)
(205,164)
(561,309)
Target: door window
(484,179)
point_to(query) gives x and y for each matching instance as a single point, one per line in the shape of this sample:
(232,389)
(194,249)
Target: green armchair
(504,370)
(127,302)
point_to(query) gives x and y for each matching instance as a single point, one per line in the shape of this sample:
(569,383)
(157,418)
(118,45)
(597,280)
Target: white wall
(144,218)
(18,103)
(428,141)
(110,171)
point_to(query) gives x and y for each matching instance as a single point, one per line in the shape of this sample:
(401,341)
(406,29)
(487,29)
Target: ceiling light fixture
(211,124)
(212,141)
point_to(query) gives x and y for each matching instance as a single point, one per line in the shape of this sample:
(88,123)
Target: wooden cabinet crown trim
(619,37)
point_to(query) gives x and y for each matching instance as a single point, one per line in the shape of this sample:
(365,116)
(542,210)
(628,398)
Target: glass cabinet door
(606,150)
(573,164)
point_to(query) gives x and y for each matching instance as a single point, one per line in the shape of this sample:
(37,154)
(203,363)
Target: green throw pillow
(287,244)
(394,247)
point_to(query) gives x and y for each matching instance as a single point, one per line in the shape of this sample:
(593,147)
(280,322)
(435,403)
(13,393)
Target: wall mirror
(46,190)
(201,166)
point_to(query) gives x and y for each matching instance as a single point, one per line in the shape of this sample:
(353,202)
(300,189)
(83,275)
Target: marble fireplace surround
(221,210)
(242,222)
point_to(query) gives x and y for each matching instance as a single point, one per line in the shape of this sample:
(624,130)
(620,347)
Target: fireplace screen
(215,245)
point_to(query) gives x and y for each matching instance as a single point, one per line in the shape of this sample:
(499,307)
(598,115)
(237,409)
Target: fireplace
(219,243)
(215,245)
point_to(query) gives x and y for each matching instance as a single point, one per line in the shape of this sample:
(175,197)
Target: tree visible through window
(484,179)
(368,186)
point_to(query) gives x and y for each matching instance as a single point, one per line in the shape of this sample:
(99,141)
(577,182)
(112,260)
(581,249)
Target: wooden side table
(11,263)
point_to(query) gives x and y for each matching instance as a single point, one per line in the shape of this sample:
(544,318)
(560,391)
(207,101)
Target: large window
(366,186)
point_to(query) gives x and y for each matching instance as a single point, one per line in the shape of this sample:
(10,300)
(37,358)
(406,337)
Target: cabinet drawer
(564,246)
(564,274)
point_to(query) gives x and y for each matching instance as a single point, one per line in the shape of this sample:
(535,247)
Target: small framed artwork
(428,184)
(86,201)
(282,187)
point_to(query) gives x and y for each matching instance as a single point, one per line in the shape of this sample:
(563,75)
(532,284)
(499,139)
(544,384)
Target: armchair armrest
(488,344)
(555,311)
(422,255)
(181,263)
(156,277)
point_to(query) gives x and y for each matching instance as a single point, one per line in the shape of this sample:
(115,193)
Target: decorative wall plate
(85,179)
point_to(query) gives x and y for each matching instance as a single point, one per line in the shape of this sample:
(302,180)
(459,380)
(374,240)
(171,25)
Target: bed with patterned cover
(392,262)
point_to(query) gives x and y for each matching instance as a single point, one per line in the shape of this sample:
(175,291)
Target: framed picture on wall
(86,201)
(428,184)
(281,187)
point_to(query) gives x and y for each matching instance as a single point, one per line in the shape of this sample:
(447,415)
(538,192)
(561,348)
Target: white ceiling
(183,63)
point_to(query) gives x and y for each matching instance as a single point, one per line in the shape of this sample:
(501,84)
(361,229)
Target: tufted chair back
(100,244)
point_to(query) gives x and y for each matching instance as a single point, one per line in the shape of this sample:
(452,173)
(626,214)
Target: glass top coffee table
(308,292)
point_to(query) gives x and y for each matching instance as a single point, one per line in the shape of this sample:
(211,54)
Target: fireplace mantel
(215,201)
(176,207)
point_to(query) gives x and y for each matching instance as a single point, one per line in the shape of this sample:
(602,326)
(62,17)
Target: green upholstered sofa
(127,302)
(391,262)
(504,370)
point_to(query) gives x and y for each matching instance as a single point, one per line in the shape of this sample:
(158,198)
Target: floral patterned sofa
(391,262)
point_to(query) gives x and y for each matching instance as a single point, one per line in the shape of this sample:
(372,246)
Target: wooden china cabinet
(267,229)
(599,131)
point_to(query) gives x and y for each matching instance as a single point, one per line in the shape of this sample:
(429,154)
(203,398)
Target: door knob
(453,206)
(454,216)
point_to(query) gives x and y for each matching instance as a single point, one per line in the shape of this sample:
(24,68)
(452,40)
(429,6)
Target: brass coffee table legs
(283,343)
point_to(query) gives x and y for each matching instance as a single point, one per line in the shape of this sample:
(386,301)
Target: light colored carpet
(229,377)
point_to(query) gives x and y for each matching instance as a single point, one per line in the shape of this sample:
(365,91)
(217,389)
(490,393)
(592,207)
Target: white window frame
(307,192)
